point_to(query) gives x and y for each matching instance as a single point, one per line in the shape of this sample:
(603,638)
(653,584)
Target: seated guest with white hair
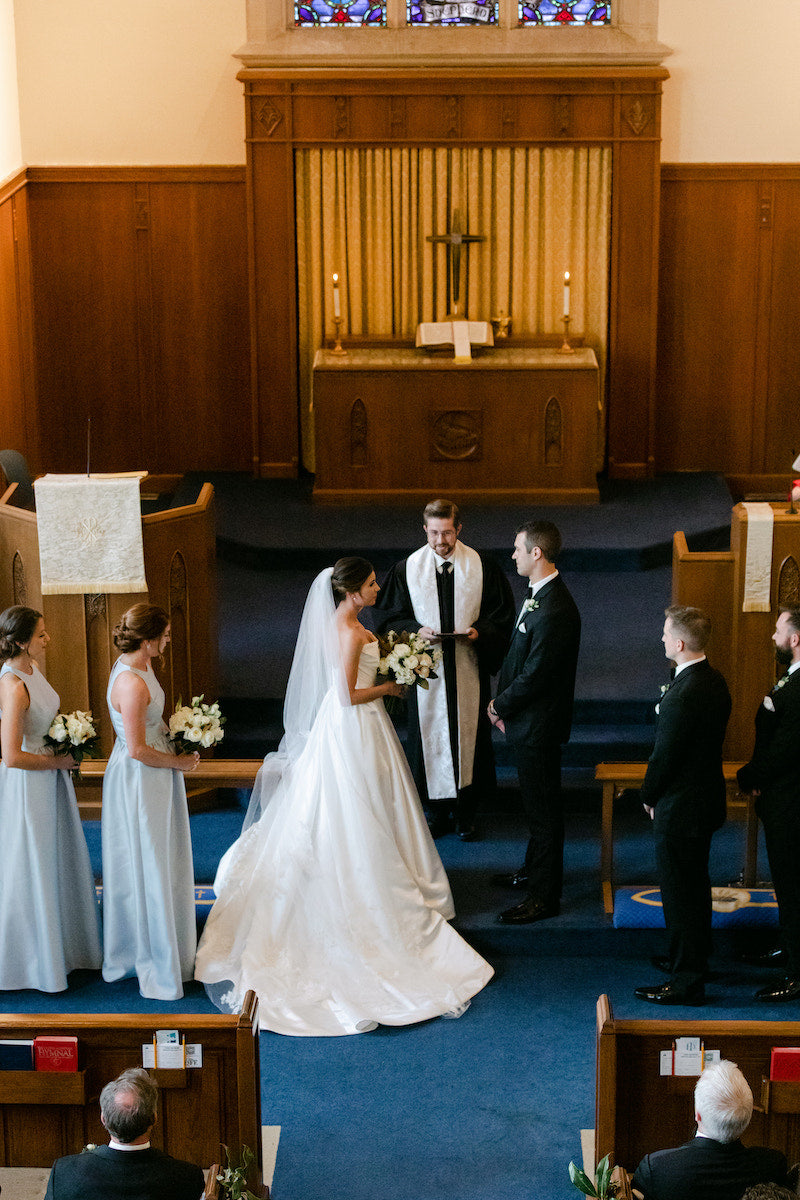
(714,1165)
(128,1166)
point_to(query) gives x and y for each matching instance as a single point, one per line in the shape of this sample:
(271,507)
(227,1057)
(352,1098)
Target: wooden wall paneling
(782,377)
(633,276)
(270,164)
(84,255)
(708,315)
(18,429)
(197,248)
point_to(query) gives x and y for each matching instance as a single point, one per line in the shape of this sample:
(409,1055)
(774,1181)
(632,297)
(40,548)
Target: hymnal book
(785,1063)
(53,1053)
(16,1054)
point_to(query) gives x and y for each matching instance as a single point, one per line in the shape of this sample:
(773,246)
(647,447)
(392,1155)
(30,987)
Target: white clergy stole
(434,719)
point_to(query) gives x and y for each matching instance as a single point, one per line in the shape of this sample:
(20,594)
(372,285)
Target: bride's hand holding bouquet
(408,659)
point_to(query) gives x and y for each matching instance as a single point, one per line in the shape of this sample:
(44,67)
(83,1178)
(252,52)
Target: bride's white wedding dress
(334,905)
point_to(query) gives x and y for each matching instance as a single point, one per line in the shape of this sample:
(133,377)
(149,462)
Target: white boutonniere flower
(529,606)
(768,704)
(781,682)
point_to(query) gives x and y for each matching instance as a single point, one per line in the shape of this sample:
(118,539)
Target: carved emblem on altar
(456,435)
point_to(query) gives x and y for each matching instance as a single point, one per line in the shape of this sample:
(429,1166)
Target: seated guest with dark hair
(714,1165)
(769,1191)
(127,1166)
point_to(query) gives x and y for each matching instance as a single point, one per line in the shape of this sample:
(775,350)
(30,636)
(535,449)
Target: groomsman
(684,795)
(773,777)
(461,599)
(533,706)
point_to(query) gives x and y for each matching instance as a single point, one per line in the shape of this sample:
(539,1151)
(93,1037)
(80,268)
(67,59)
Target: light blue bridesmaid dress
(49,918)
(149,927)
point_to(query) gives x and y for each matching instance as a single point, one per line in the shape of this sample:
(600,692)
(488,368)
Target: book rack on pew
(212,773)
(639,1110)
(44,1115)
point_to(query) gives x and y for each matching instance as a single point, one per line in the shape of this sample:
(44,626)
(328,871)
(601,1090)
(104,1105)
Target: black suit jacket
(684,780)
(536,685)
(106,1174)
(707,1170)
(774,769)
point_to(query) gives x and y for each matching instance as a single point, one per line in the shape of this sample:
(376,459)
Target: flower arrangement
(408,659)
(233,1179)
(602,1187)
(196,724)
(73,733)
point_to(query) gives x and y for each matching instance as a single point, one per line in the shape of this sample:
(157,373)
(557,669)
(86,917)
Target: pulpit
(180,567)
(741,645)
(511,425)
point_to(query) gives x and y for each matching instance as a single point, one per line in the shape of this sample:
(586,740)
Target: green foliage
(601,1187)
(233,1180)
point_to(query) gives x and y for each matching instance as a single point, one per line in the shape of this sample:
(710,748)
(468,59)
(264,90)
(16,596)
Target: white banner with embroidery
(758,561)
(90,533)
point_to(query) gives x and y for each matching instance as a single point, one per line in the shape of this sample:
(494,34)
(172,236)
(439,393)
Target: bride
(333,904)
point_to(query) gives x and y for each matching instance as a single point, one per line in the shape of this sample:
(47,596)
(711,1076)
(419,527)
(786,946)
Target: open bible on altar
(461,335)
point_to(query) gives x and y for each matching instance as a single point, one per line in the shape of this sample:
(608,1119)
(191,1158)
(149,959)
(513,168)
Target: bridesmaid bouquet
(73,733)
(408,659)
(196,724)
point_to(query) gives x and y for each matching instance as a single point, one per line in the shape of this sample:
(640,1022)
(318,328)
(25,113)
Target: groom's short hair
(543,534)
(441,510)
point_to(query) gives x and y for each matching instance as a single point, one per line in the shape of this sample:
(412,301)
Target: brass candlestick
(565,347)
(338,348)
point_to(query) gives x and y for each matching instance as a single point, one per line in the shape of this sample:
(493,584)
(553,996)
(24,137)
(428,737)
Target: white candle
(566,293)
(337,311)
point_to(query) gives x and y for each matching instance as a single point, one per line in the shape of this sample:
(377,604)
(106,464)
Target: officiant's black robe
(494,623)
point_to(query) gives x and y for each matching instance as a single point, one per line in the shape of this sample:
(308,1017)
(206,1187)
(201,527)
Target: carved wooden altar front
(512,424)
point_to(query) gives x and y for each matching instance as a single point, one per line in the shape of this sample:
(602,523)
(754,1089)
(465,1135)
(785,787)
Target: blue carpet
(640,908)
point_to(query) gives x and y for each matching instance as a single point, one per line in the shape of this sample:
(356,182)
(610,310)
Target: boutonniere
(529,606)
(89,1148)
(665,688)
(783,680)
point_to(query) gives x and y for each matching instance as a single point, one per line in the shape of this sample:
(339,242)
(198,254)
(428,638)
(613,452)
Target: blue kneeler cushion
(733,908)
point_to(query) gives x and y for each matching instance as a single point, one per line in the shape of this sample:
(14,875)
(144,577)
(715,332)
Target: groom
(445,588)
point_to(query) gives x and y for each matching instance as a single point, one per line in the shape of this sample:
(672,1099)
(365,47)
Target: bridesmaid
(49,919)
(149,927)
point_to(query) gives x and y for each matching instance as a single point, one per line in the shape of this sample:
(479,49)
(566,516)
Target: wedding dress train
(334,905)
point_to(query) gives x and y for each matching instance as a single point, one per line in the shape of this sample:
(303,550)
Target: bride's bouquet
(73,733)
(196,724)
(408,659)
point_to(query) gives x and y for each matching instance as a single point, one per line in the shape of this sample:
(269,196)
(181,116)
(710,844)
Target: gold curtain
(365,214)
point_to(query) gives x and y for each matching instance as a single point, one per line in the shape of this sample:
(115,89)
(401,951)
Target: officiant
(462,601)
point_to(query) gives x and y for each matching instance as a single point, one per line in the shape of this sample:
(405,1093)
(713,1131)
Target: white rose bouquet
(408,659)
(194,725)
(73,733)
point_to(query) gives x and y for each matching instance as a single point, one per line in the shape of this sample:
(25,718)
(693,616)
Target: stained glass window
(451,12)
(346,13)
(564,12)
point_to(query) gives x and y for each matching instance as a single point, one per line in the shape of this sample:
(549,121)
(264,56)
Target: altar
(512,424)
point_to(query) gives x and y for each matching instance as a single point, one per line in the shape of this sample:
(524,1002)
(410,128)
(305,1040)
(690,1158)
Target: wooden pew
(212,773)
(638,1110)
(619,777)
(44,1116)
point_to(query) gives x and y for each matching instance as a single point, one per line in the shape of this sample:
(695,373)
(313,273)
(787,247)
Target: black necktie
(446,604)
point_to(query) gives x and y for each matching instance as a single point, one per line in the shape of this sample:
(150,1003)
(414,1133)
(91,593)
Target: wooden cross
(455,240)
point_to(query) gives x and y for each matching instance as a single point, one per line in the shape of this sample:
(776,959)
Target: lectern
(180,567)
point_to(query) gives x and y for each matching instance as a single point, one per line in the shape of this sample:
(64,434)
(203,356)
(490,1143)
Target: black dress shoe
(528,911)
(668,993)
(766,958)
(467,833)
(783,989)
(512,879)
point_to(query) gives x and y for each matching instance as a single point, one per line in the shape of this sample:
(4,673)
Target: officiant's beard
(784,655)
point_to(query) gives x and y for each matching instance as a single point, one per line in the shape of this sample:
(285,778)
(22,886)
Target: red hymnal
(56,1053)
(785,1063)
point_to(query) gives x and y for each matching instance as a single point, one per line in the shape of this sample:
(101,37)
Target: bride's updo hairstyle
(142,623)
(349,575)
(17,627)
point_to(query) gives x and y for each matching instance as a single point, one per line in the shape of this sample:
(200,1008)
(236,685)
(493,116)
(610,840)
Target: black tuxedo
(534,698)
(103,1173)
(774,771)
(703,1169)
(685,786)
